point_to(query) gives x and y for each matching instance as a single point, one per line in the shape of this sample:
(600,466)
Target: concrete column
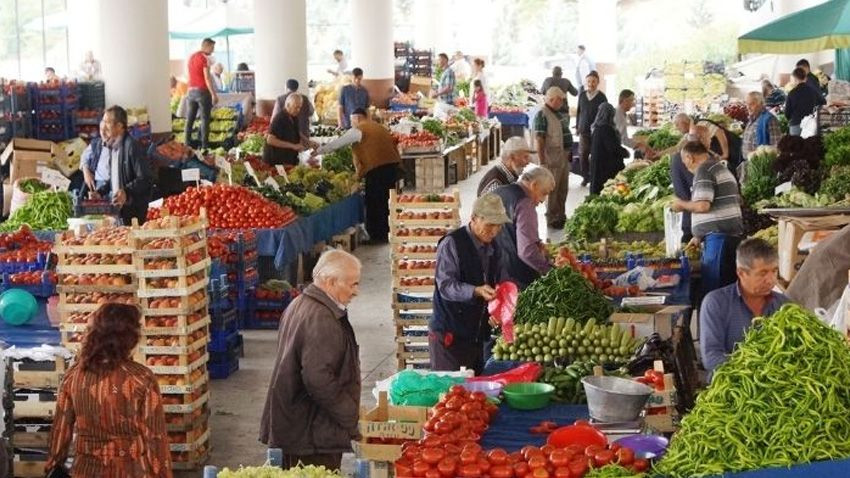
(134,57)
(372,47)
(280,48)
(597,28)
(429,27)
(82,37)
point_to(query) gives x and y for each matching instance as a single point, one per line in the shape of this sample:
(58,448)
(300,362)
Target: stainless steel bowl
(614,399)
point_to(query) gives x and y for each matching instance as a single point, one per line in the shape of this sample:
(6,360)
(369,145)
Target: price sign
(250,170)
(783,188)
(54,178)
(205,183)
(271,182)
(281,171)
(193,174)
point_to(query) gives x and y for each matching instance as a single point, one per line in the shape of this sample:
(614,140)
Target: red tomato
(640,465)
(578,467)
(529,450)
(559,458)
(497,456)
(625,456)
(536,461)
(540,473)
(433,455)
(433,473)
(484,465)
(468,457)
(603,457)
(592,450)
(479,397)
(403,470)
(469,471)
(521,469)
(420,468)
(447,467)
(562,472)
(501,471)
(454,403)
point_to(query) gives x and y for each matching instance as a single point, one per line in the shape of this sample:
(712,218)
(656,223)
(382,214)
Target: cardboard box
(388,422)
(30,156)
(421,84)
(659,319)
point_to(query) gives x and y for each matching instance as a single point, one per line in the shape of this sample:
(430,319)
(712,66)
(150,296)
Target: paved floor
(237,402)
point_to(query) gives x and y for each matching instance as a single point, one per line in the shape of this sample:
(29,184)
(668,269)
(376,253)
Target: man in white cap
(515,156)
(469,267)
(554,146)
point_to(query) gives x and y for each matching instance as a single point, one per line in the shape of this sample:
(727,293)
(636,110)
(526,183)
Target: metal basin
(614,399)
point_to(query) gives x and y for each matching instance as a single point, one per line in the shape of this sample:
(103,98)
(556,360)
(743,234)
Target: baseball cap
(490,209)
(555,92)
(515,144)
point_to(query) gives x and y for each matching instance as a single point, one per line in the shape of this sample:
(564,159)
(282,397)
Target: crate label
(783,188)
(391,429)
(281,171)
(54,178)
(272,183)
(193,174)
(223,164)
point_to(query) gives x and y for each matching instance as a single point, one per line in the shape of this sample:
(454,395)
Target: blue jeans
(718,261)
(199,98)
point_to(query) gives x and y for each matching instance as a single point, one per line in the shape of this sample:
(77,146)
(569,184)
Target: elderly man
(515,157)
(728,312)
(524,252)
(313,403)
(352,97)
(683,180)
(446,91)
(115,166)
(284,140)
(469,266)
(304,114)
(375,158)
(554,145)
(763,128)
(715,208)
(557,79)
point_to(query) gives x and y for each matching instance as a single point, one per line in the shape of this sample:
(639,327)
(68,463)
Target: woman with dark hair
(112,404)
(606,152)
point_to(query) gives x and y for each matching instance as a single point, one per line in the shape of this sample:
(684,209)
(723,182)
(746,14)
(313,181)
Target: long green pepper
(782,398)
(46,210)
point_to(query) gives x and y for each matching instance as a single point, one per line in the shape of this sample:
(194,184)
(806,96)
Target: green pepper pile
(562,292)
(44,211)
(781,399)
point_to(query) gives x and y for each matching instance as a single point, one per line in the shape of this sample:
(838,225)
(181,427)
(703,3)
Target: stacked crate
(32,387)
(417,223)
(172,262)
(241,266)
(55,107)
(271,300)
(92,269)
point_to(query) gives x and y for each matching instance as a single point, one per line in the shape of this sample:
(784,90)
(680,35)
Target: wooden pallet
(38,374)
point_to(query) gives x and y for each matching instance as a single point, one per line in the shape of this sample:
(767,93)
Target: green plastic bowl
(528,396)
(17,306)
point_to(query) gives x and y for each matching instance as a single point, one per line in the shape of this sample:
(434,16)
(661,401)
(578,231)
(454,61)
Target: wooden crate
(661,413)
(39,405)
(430,174)
(183,383)
(387,421)
(173,228)
(181,267)
(184,368)
(63,266)
(186,402)
(38,374)
(185,307)
(179,422)
(25,467)
(195,439)
(182,344)
(31,436)
(183,325)
(191,460)
(183,288)
(66,307)
(791,232)
(107,289)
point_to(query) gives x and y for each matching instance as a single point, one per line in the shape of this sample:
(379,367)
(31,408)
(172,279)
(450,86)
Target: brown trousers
(584,156)
(556,203)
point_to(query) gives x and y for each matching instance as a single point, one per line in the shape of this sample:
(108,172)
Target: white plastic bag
(840,313)
(809,126)
(672,231)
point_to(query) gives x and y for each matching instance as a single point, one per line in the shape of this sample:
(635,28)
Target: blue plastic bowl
(17,306)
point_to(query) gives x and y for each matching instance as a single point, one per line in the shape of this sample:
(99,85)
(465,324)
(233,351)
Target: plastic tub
(17,306)
(491,389)
(528,395)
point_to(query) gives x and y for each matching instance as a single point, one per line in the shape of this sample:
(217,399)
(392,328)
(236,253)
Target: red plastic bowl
(576,435)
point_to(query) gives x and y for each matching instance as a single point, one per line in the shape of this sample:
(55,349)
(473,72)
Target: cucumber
(615,334)
(550,330)
(625,340)
(559,327)
(588,326)
(568,327)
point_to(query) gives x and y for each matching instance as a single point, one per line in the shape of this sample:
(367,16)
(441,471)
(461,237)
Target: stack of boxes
(31,388)
(172,262)
(55,107)
(15,111)
(417,223)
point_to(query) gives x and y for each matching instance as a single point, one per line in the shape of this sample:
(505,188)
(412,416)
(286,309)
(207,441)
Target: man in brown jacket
(313,403)
(376,158)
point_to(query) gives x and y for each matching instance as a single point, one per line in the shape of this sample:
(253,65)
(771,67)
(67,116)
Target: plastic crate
(224,321)
(44,289)
(41,263)
(220,371)
(266,304)
(94,207)
(222,341)
(219,286)
(400,107)
(207,172)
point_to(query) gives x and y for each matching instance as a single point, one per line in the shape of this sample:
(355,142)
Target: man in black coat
(116,167)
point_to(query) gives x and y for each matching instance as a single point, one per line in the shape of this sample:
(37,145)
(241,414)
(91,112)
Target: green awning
(222,21)
(822,27)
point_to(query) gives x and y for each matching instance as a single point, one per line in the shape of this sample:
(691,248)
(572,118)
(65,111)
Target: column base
(380,91)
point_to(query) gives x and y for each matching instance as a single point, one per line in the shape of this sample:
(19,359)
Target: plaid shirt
(540,124)
(749,138)
(447,79)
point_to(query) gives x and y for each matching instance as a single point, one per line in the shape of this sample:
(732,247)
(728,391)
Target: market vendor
(800,102)
(524,252)
(763,128)
(446,90)
(557,79)
(284,140)
(202,93)
(375,158)
(727,313)
(554,148)
(469,267)
(352,97)
(716,220)
(115,167)
(515,157)
(823,276)
(304,114)
(313,402)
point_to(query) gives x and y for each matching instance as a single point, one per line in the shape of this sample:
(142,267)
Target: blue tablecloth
(36,332)
(511,119)
(510,428)
(285,244)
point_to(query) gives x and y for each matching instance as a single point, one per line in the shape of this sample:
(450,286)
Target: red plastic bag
(527,372)
(503,306)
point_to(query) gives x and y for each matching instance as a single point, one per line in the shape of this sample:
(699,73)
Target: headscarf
(605,116)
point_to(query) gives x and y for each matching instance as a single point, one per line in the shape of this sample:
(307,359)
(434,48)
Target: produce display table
(226,99)
(510,428)
(821,469)
(286,243)
(34,333)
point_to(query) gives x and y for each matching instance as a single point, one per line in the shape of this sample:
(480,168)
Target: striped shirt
(713,182)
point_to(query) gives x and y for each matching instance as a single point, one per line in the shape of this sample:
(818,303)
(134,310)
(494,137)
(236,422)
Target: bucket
(614,399)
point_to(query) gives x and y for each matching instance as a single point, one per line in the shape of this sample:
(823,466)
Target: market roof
(223,20)
(822,27)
